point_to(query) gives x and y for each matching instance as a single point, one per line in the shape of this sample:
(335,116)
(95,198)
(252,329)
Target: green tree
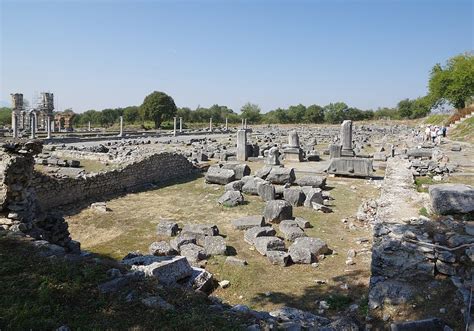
(131,114)
(251,112)
(334,112)
(454,82)
(314,114)
(296,113)
(5,116)
(158,107)
(405,108)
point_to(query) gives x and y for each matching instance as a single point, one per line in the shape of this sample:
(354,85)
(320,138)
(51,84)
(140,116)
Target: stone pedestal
(241,145)
(351,166)
(293,154)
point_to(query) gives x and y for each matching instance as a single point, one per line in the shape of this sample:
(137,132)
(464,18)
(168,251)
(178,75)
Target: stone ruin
(20,210)
(343,159)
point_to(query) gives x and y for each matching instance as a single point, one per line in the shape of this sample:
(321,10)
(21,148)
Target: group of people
(434,133)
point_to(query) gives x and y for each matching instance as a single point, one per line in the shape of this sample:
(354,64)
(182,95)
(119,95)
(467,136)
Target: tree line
(451,84)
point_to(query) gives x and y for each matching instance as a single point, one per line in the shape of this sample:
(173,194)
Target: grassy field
(437,119)
(130,225)
(464,131)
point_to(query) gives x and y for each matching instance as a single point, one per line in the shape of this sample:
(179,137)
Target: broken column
(32,125)
(226,124)
(210,124)
(88,126)
(17,107)
(180,125)
(346,138)
(121,127)
(48,126)
(15,124)
(174,126)
(292,151)
(241,145)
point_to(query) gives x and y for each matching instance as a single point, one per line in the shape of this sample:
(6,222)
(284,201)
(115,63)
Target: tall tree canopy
(158,107)
(454,82)
(251,112)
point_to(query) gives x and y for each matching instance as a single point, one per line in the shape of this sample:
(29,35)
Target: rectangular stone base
(351,167)
(293,154)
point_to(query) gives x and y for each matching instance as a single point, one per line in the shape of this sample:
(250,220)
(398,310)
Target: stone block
(452,198)
(248,222)
(217,175)
(277,210)
(265,244)
(357,167)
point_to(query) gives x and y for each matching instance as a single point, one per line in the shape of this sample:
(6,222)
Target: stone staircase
(455,124)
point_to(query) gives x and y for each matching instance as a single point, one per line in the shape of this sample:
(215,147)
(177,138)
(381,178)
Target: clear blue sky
(98,54)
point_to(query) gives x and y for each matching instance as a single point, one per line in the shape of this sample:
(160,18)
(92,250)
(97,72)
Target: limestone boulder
(217,175)
(231,199)
(452,198)
(240,169)
(280,175)
(311,180)
(266,191)
(265,244)
(277,210)
(306,250)
(248,222)
(294,195)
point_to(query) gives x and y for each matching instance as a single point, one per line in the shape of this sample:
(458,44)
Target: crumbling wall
(19,211)
(158,168)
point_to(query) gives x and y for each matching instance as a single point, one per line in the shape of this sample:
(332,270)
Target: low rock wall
(158,168)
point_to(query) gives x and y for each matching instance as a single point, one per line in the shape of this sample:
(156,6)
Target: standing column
(243,123)
(32,126)
(121,127)
(52,125)
(174,126)
(346,138)
(241,145)
(89,126)
(180,125)
(210,124)
(48,126)
(226,124)
(15,124)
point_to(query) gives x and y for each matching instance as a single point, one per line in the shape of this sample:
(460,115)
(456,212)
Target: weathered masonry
(158,168)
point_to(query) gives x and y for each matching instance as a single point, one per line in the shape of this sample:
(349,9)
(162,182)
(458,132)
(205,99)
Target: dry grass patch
(130,225)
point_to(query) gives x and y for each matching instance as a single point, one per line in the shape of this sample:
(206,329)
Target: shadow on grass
(42,293)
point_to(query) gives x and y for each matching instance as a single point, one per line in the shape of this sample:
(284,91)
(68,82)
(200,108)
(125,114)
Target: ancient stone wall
(158,168)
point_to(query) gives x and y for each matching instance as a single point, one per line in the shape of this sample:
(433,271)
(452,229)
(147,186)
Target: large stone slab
(311,180)
(240,169)
(346,166)
(217,175)
(265,244)
(452,198)
(306,249)
(248,222)
(280,175)
(277,210)
(168,270)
